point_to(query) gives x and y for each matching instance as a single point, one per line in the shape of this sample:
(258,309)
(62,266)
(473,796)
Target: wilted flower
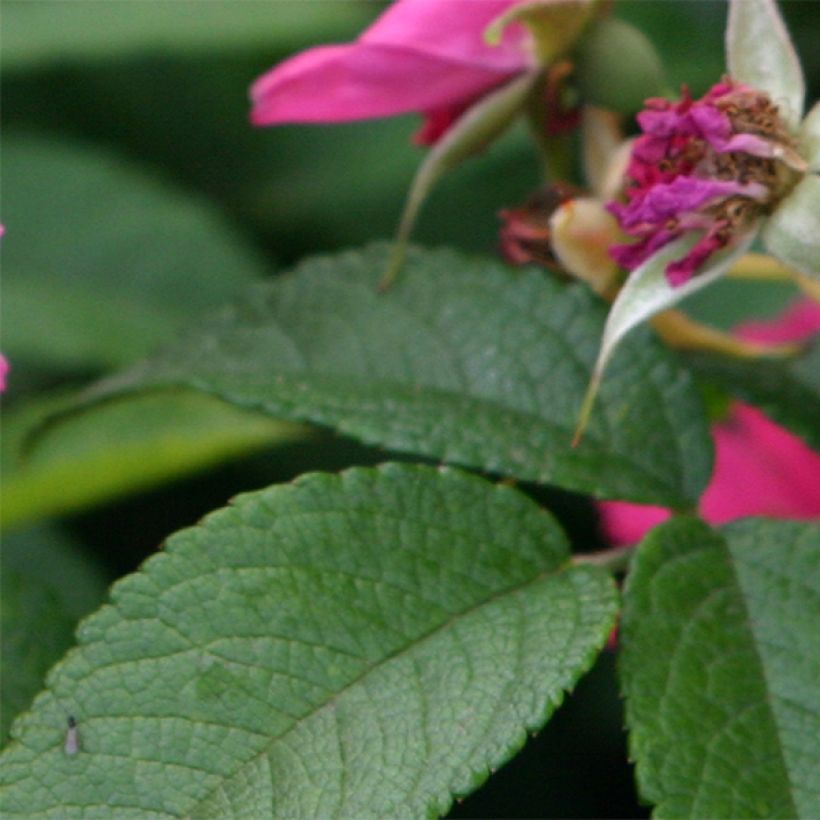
(714,166)
(710,176)
(526,234)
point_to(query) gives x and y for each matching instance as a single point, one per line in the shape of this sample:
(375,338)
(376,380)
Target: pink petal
(681,271)
(624,523)
(421,55)
(453,31)
(799,322)
(761,469)
(712,124)
(345,83)
(715,127)
(668,200)
(631,255)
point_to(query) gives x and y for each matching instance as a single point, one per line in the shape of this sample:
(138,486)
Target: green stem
(615,559)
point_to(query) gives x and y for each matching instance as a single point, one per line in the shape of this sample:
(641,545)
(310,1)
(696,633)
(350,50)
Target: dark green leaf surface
(122,447)
(463,360)
(788,390)
(108,258)
(720,667)
(46,586)
(363,645)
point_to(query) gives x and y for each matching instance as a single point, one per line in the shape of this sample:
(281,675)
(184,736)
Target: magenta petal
(4,365)
(660,124)
(453,31)
(749,144)
(624,523)
(712,124)
(681,271)
(799,323)
(345,83)
(421,55)
(631,255)
(666,201)
(761,469)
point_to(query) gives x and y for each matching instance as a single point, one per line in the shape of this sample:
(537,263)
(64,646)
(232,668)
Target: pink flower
(428,56)
(760,468)
(714,165)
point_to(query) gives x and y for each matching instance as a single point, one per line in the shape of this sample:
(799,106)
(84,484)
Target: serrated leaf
(46,31)
(359,645)
(759,52)
(787,390)
(121,447)
(47,586)
(720,663)
(111,260)
(463,359)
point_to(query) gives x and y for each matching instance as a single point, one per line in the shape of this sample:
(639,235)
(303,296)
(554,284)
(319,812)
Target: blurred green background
(136,196)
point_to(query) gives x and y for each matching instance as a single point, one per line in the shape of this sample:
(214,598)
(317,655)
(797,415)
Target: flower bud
(617,67)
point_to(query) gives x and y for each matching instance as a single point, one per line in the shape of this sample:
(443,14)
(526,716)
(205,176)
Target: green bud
(617,67)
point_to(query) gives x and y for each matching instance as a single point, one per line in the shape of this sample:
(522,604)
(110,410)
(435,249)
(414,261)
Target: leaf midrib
(423,638)
(553,428)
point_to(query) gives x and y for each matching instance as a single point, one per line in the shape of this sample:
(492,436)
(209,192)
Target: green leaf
(759,52)
(52,30)
(111,260)
(46,588)
(360,645)
(121,447)
(463,360)
(787,390)
(720,663)
(792,232)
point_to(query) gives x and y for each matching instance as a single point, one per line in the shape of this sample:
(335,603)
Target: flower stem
(615,559)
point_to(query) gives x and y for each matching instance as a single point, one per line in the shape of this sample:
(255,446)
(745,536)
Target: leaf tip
(586,408)
(393,266)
